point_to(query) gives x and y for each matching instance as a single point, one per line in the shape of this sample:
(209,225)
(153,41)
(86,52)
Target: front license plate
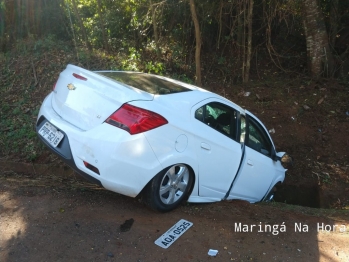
(51,134)
(173,233)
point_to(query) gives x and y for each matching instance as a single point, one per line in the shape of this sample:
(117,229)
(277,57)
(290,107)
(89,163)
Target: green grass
(22,93)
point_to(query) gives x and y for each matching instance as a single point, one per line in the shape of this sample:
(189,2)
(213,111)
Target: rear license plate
(51,134)
(173,233)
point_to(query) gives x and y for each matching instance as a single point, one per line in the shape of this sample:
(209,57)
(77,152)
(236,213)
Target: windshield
(146,82)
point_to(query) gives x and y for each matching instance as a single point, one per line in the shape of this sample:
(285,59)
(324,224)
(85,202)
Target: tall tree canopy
(307,37)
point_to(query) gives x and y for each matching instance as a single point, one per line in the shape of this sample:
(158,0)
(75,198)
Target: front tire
(169,188)
(271,194)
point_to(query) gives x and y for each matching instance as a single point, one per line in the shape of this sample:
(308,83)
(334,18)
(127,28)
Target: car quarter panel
(172,143)
(214,169)
(126,163)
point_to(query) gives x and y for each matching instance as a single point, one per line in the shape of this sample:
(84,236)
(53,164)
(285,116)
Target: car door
(258,169)
(218,151)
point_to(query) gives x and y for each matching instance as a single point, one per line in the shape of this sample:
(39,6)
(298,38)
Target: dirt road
(49,218)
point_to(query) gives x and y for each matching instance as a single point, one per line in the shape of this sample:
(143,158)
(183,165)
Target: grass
(27,76)
(18,114)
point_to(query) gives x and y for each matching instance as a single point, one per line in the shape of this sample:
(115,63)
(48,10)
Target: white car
(140,134)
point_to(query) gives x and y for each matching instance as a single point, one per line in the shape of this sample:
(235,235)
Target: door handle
(205,146)
(249,162)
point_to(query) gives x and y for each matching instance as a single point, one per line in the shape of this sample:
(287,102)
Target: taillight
(54,86)
(135,120)
(79,77)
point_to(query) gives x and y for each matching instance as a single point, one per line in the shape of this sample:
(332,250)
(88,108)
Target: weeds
(27,76)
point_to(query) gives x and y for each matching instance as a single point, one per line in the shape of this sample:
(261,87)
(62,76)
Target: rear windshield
(146,82)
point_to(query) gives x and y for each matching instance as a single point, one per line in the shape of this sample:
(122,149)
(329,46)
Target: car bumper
(125,163)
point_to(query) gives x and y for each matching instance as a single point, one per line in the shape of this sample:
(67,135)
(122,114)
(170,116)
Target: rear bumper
(126,163)
(64,152)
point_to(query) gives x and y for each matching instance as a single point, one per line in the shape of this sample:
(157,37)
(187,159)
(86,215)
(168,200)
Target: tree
(2,26)
(153,20)
(247,49)
(320,59)
(198,42)
(81,24)
(102,22)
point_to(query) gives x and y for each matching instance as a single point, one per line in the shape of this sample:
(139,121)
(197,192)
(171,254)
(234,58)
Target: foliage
(131,63)
(126,29)
(157,68)
(27,75)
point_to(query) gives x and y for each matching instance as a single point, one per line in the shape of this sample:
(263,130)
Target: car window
(257,138)
(146,82)
(218,116)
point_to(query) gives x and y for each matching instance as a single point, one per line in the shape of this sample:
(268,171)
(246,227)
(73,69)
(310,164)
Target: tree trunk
(2,27)
(243,40)
(239,36)
(220,23)
(81,24)
(101,21)
(333,22)
(198,42)
(249,42)
(153,20)
(38,17)
(320,59)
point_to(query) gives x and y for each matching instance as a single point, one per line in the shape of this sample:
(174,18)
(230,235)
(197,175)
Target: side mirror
(286,159)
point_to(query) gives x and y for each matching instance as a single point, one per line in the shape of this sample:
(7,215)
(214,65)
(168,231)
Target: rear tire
(169,188)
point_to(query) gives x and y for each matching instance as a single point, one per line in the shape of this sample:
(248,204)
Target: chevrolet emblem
(71,87)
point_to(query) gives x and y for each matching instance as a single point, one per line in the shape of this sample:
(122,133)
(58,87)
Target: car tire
(270,196)
(169,188)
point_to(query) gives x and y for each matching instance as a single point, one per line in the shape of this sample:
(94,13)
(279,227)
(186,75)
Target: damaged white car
(140,134)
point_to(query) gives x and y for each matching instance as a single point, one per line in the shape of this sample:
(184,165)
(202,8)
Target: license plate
(173,233)
(51,134)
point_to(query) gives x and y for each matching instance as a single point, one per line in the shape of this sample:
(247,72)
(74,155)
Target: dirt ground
(47,213)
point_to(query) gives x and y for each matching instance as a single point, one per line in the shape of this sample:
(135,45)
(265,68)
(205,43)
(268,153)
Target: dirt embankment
(44,218)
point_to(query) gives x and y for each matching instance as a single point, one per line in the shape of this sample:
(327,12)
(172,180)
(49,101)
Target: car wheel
(270,196)
(169,188)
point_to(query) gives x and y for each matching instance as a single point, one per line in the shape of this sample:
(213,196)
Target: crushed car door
(218,151)
(258,169)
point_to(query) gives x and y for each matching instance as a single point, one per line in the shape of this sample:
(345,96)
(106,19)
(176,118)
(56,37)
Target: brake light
(54,86)
(79,77)
(135,120)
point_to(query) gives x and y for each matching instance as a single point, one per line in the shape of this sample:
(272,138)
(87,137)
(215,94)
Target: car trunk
(86,99)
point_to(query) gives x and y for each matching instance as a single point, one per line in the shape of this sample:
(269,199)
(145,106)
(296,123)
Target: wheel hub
(174,185)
